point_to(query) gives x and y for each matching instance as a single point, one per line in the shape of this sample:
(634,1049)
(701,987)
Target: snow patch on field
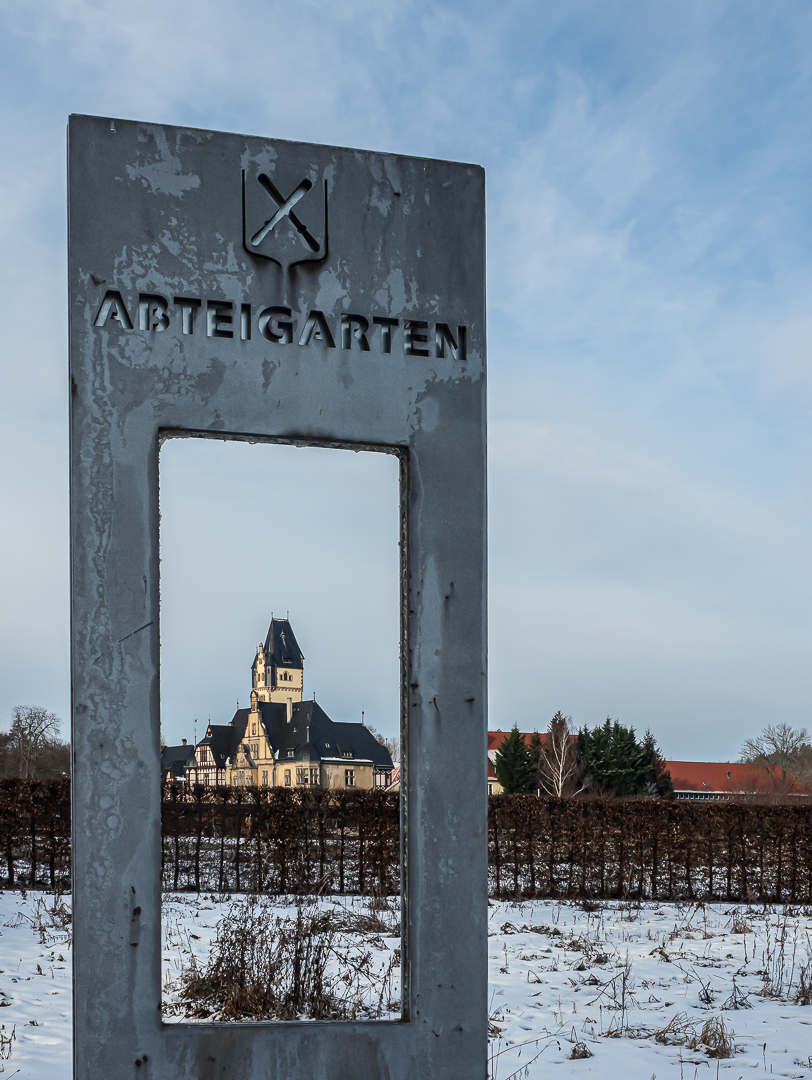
(630,986)
(35,986)
(634,985)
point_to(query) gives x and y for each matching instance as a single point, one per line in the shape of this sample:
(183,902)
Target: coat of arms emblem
(284,222)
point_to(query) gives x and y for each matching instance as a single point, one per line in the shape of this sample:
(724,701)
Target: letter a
(113,307)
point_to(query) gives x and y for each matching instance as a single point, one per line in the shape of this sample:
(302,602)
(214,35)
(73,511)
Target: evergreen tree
(658,778)
(618,763)
(515,765)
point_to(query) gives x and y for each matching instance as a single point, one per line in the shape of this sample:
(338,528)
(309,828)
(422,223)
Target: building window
(264,777)
(287,777)
(302,776)
(314,776)
(290,752)
(349,778)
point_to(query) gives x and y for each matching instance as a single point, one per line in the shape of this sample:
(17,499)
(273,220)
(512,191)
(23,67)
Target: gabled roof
(363,744)
(281,646)
(496,738)
(730,776)
(174,759)
(223,739)
(311,734)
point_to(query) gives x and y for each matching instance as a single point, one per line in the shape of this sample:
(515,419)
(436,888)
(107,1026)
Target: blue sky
(650,335)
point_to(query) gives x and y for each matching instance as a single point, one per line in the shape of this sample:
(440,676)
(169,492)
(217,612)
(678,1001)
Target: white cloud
(649,275)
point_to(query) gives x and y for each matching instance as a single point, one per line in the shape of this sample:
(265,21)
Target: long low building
(709,781)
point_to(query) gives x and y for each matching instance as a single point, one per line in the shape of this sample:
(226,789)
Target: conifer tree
(621,765)
(658,778)
(515,765)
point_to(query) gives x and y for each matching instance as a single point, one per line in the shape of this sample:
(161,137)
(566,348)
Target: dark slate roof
(311,733)
(176,758)
(306,733)
(363,744)
(281,646)
(223,739)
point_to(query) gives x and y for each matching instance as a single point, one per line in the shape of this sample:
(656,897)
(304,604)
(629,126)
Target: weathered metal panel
(237,286)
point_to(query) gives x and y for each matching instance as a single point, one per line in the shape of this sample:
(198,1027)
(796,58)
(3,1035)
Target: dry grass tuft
(714,1039)
(5,1043)
(580,1050)
(266,967)
(740,925)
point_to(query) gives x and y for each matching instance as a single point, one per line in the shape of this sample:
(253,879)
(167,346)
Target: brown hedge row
(280,841)
(651,849)
(35,833)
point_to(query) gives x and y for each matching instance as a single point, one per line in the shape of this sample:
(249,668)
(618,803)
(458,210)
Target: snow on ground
(631,984)
(363,932)
(35,986)
(634,984)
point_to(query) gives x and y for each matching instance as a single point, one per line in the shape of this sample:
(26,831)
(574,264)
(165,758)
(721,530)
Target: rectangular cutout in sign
(280,757)
(229,287)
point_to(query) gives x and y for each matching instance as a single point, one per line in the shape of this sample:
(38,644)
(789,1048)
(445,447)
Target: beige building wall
(335,775)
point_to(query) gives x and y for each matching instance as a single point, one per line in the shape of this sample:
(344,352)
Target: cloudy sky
(650,346)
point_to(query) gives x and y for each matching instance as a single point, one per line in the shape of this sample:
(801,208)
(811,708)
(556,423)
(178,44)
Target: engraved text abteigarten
(279,324)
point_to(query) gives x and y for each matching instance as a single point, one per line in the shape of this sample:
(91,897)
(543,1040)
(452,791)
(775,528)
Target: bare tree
(778,744)
(392,745)
(560,766)
(32,730)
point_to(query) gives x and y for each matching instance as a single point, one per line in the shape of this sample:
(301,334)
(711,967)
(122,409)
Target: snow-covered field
(631,985)
(634,985)
(35,986)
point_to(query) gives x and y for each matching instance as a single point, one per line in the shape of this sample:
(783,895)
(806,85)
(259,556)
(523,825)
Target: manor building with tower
(281,740)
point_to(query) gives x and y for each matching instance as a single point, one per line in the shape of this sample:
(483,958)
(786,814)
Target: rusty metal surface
(236,286)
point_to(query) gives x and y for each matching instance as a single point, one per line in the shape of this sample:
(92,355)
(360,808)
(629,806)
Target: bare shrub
(803,993)
(5,1043)
(49,920)
(737,1000)
(676,1032)
(739,925)
(264,966)
(580,1050)
(787,963)
(714,1039)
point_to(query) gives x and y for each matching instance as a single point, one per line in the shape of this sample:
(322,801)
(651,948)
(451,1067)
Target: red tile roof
(496,738)
(728,776)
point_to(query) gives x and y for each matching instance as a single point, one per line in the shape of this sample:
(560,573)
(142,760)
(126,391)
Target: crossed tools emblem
(268,244)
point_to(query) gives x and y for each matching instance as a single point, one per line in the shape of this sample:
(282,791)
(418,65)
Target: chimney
(288,709)
(183,743)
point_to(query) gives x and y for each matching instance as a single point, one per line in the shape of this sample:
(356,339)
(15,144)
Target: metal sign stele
(226,286)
